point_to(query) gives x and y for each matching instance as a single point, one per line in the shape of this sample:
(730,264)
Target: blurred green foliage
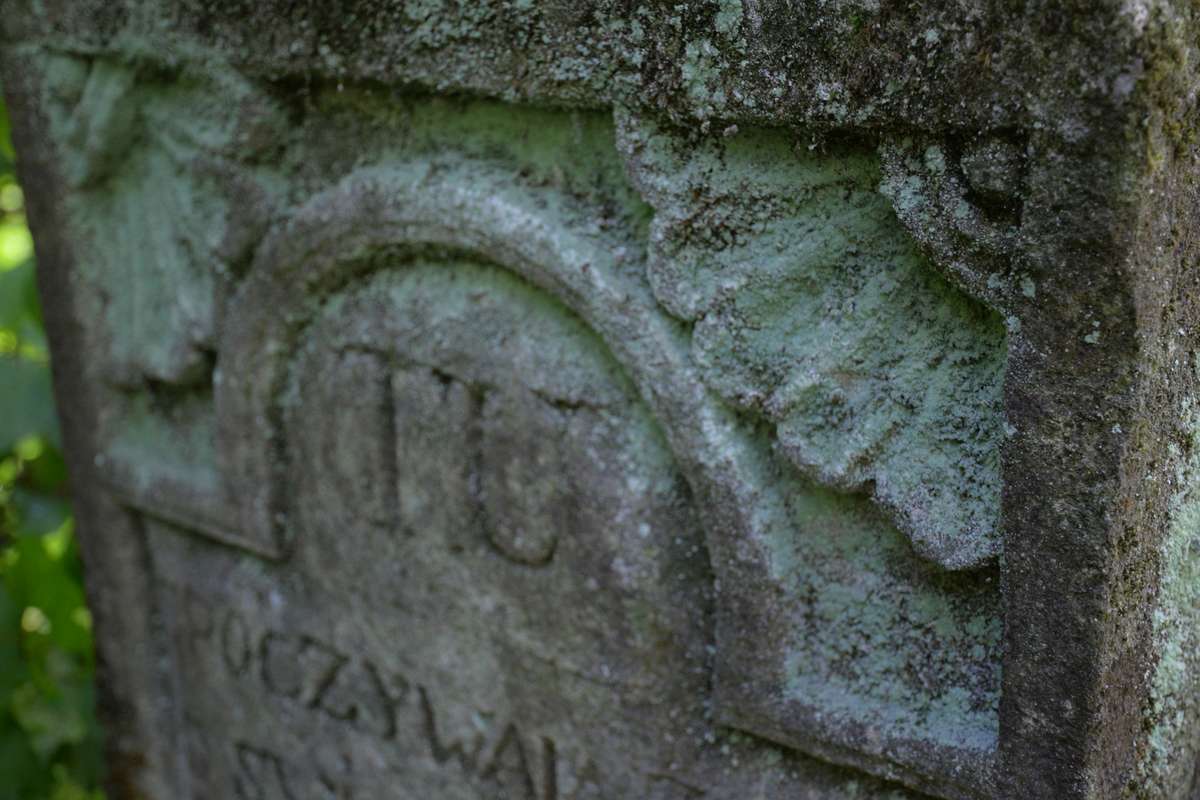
(49,740)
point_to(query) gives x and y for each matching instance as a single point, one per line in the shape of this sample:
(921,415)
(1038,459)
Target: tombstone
(562,401)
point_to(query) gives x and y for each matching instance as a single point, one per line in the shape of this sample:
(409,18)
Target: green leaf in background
(16,295)
(16,245)
(28,402)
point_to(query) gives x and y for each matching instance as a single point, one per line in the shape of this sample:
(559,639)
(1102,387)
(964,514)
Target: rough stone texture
(562,400)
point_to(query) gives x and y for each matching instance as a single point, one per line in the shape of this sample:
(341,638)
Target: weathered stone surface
(547,400)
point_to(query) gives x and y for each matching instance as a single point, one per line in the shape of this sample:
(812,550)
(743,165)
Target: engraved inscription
(354,447)
(358,692)
(406,437)
(541,583)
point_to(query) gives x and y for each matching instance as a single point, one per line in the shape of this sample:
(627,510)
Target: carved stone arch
(753,511)
(326,245)
(377,221)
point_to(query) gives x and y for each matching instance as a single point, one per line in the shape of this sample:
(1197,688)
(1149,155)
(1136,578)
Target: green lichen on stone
(1169,766)
(729,16)
(917,657)
(813,310)
(149,205)
(567,154)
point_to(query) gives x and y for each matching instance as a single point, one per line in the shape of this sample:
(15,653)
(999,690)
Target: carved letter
(261,775)
(444,751)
